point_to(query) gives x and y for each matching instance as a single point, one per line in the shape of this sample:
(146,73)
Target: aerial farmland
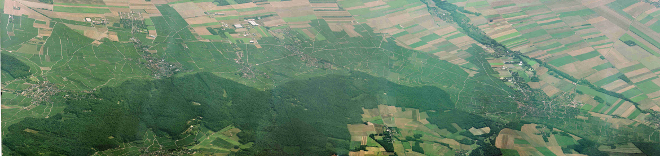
(330,77)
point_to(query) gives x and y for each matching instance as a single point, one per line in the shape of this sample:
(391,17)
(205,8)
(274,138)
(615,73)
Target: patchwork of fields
(424,82)
(414,133)
(532,139)
(609,44)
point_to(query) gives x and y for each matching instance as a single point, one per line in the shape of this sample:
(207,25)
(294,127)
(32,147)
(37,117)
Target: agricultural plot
(90,5)
(20,29)
(150,24)
(574,50)
(591,35)
(311,34)
(170,25)
(80,10)
(222,140)
(65,44)
(300,18)
(529,140)
(412,25)
(410,129)
(187,10)
(232,13)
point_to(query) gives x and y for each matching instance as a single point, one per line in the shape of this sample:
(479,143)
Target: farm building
(253,23)
(238,26)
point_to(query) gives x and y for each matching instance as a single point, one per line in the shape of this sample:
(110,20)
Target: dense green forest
(306,117)
(16,68)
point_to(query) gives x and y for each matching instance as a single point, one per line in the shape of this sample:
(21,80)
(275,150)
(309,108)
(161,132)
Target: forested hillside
(310,115)
(16,68)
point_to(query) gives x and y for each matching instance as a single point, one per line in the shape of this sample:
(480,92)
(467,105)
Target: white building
(253,23)
(238,26)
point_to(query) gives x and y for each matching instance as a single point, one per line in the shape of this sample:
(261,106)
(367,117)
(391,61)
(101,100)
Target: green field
(520,141)
(212,37)
(634,114)
(550,46)
(562,34)
(534,34)
(619,5)
(40,22)
(231,2)
(250,9)
(587,107)
(562,61)
(92,5)
(603,66)
(583,12)
(595,39)
(430,37)
(645,37)
(639,98)
(588,55)
(278,27)
(23,31)
(647,86)
(510,152)
(262,30)
(565,140)
(598,107)
(513,14)
(503,6)
(243,16)
(631,93)
(229,36)
(348,4)
(227,18)
(319,36)
(627,37)
(476,4)
(615,107)
(205,24)
(212,11)
(80,10)
(148,21)
(217,141)
(528,26)
(545,151)
(507,36)
(300,18)
(586,90)
(608,79)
